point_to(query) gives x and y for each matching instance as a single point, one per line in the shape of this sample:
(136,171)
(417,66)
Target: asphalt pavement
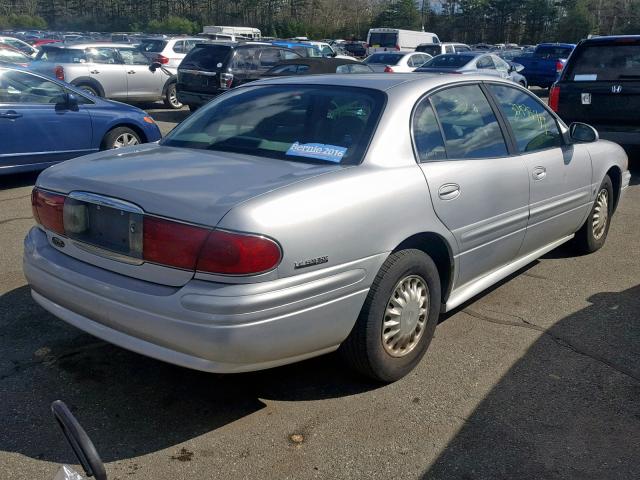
(538,378)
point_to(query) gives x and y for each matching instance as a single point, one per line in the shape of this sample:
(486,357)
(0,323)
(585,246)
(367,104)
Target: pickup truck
(543,66)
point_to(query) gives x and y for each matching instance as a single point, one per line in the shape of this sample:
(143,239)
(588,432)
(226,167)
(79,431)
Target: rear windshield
(300,123)
(12,55)
(384,58)
(206,57)
(552,52)
(448,61)
(153,46)
(62,55)
(383,39)
(605,63)
(432,50)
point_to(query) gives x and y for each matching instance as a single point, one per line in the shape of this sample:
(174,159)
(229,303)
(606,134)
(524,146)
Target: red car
(44,41)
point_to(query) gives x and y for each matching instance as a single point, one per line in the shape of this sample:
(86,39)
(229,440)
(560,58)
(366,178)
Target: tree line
(469,21)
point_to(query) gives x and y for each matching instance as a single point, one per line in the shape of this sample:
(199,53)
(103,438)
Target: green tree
(399,14)
(172,24)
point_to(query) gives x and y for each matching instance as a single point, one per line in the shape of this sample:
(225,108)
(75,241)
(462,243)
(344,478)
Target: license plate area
(111,225)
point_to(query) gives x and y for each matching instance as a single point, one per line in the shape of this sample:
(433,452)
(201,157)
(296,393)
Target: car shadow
(567,409)
(129,404)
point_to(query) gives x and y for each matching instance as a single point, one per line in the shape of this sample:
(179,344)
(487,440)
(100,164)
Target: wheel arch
(91,82)
(132,126)
(440,252)
(615,174)
(170,80)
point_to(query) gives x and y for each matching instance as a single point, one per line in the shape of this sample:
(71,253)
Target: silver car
(293,217)
(474,63)
(109,70)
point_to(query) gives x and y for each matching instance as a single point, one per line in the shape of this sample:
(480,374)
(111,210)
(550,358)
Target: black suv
(600,85)
(212,68)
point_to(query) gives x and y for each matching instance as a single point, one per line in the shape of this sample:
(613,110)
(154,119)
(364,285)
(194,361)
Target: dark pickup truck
(541,68)
(600,85)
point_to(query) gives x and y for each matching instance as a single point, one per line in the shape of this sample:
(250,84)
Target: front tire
(89,89)
(120,137)
(594,231)
(398,319)
(171,98)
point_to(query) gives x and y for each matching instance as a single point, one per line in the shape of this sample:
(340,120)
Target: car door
(36,127)
(478,191)
(484,64)
(105,66)
(559,175)
(502,67)
(142,83)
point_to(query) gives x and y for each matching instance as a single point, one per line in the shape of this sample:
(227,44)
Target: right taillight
(172,243)
(554,97)
(559,66)
(47,209)
(162,59)
(59,72)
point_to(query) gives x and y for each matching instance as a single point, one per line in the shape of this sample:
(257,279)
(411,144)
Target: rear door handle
(539,173)
(94,72)
(131,72)
(449,191)
(11,115)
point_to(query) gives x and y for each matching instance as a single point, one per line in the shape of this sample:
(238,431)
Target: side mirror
(581,132)
(79,441)
(72,101)
(154,66)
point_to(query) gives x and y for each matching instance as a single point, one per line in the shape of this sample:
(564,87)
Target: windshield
(287,122)
(377,39)
(448,61)
(552,52)
(61,55)
(13,55)
(605,63)
(206,57)
(384,58)
(432,50)
(152,46)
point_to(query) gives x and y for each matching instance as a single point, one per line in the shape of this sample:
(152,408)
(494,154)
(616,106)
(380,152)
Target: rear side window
(318,124)
(485,62)
(152,46)
(61,55)
(105,55)
(426,134)
(470,127)
(552,52)
(605,63)
(388,40)
(207,57)
(534,128)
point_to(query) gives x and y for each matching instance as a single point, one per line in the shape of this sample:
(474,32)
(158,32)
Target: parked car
(510,55)
(390,39)
(13,56)
(434,49)
(601,84)
(109,70)
(18,44)
(168,51)
(210,69)
(355,49)
(545,64)
(473,63)
(315,66)
(45,121)
(394,62)
(280,222)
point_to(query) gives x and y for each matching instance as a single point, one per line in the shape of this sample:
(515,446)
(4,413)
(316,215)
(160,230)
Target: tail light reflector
(388,69)
(162,59)
(59,72)
(554,98)
(238,254)
(172,243)
(559,66)
(48,209)
(226,79)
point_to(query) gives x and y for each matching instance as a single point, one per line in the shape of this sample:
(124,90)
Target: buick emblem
(616,89)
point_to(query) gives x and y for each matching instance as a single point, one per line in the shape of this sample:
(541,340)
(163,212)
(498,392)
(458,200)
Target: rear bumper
(193,98)
(203,325)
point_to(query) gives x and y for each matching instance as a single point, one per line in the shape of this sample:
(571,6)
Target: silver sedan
(293,217)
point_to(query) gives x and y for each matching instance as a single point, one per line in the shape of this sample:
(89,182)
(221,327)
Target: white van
(230,33)
(384,39)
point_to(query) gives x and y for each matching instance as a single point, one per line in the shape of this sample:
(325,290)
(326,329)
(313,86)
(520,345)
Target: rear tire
(171,97)
(120,137)
(89,89)
(398,319)
(594,231)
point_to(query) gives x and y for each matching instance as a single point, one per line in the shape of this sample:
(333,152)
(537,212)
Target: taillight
(238,254)
(397,47)
(59,72)
(172,243)
(162,59)
(388,69)
(559,66)
(366,45)
(48,209)
(554,98)
(226,79)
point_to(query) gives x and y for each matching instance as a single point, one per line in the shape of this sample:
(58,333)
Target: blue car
(45,121)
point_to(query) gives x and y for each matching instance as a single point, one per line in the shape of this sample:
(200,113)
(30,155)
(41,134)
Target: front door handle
(539,173)
(94,72)
(131,72)
(10,114)
(449,191)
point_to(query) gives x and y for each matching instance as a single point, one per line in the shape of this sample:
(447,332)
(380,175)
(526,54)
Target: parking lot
(537,378)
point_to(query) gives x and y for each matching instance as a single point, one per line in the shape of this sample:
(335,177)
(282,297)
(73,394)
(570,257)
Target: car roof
(612,39)
(567,45)
(78,46)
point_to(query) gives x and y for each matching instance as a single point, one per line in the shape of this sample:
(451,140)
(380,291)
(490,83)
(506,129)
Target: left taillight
(388,69)
(48,209)
(59,72)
